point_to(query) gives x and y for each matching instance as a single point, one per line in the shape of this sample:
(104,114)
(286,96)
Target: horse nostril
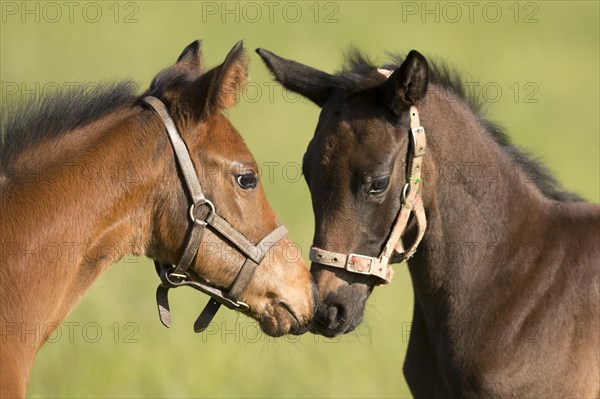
(336,314)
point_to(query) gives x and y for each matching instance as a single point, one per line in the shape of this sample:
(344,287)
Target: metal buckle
(203,202)
(405,191)
(418,148)
(171,279)
(350,265)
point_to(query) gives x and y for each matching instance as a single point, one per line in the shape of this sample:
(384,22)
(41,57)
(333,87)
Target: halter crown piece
(202,214)
(412,203)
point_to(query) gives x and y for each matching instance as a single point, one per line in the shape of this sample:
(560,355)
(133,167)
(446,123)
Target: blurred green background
(536,63)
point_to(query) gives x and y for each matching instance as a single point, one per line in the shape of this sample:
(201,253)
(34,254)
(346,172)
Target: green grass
(558,54)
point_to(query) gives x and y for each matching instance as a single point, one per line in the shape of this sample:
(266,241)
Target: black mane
(360,72)
(39,119)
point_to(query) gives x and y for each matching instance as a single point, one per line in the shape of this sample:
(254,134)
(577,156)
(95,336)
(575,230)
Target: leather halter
(411,203)
(202,214)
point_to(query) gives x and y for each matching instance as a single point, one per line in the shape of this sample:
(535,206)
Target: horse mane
(359,73)
(23,125)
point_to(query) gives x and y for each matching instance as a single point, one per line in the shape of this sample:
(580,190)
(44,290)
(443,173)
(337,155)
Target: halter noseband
(411,203)
(202,214)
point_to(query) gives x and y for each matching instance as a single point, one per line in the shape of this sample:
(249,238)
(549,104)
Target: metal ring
(405,192)
(243,306)
(204,202)
(167,276)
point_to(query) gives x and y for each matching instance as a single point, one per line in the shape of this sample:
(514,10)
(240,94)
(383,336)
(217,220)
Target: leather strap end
(209,312)
(162,301)
(403,253)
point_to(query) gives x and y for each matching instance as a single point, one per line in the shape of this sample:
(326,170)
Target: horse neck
(482,209)
(76,214)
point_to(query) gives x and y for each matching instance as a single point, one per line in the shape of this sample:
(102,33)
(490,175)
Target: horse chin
(328,332)
(281,321)
(322,326)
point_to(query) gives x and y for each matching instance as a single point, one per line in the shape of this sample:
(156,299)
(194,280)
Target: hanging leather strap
(411,194)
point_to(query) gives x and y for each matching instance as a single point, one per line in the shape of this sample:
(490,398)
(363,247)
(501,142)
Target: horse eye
(379,185)
(247,181)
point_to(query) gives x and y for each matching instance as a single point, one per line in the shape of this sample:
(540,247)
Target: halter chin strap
(202,214)
(412,203)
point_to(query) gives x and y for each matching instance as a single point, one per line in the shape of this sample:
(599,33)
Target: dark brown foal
(506,278)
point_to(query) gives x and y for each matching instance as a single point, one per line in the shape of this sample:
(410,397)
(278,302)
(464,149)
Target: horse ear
(309,82)
(191,56)
(408,84)
(227,79)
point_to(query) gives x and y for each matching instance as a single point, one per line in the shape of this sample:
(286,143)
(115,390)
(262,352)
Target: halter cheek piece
(202,214)
(411,203)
